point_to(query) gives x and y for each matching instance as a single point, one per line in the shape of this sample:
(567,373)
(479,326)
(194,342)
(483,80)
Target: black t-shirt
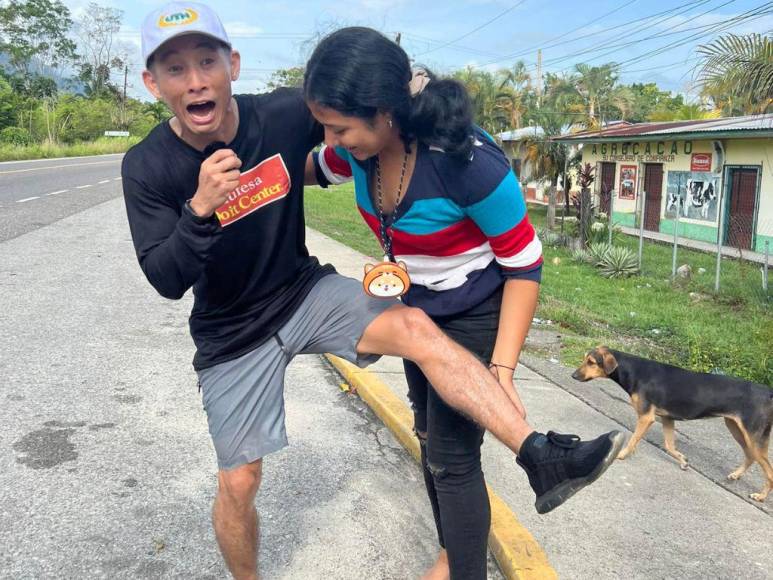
(248,264)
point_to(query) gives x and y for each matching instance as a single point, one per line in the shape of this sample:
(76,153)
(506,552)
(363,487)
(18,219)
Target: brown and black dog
(676,394)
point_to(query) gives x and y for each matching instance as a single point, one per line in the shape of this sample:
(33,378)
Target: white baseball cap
(178,18)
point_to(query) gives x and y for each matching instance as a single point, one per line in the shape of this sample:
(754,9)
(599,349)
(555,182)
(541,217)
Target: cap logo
(178,18)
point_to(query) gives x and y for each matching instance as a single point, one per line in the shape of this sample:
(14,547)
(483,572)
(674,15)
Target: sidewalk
(645,518)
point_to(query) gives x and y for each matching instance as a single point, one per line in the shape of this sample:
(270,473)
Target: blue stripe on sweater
(501,210)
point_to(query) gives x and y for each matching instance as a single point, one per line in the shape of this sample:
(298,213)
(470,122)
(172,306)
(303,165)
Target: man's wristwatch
(196,217)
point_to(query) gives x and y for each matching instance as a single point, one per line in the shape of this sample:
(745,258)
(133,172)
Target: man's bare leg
(458,377)
(235,519)
(558,466)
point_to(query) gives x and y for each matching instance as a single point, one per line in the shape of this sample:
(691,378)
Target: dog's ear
(609,362)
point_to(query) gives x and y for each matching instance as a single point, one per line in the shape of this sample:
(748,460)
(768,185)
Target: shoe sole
(563,491)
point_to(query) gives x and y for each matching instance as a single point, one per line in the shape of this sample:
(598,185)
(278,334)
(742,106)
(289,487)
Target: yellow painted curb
(517,552)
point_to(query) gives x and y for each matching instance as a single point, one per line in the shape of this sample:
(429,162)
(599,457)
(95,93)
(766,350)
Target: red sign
(700,162)
(265,183)
(627,182)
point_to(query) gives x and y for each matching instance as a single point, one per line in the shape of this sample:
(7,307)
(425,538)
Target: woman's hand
(504,377)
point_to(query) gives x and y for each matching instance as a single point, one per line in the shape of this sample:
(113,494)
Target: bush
(598,252)
(18,136)
(583,256)
(618,262)
(550,238)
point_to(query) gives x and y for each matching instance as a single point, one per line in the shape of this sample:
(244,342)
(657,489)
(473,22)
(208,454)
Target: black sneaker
(559,466)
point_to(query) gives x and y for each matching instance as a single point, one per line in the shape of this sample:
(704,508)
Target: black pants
(450,453)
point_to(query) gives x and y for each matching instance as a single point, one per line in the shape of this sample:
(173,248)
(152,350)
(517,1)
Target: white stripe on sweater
(333,177)
(526,257)
(447,272)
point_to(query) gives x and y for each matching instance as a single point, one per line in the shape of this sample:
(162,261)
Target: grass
(101,146)
(645,315)
(333,212)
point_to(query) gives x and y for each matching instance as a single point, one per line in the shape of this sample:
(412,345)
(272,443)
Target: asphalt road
(36,193)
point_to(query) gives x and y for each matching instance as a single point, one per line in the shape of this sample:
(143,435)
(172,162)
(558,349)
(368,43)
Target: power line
(596,34)
(753,14)
(474,30)
(706,30)
(666,32)
(467,49)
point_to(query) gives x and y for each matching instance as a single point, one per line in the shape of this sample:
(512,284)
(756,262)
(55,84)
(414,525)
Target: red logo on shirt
(265,183)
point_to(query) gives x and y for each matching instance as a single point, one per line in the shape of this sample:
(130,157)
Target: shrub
(583,256)
(15,136)
(598,252)
(618,262)
(550,238)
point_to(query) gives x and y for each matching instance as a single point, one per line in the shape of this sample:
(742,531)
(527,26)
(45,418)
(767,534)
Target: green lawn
(645,315)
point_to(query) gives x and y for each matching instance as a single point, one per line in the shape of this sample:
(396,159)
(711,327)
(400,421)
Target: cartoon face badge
(387,279)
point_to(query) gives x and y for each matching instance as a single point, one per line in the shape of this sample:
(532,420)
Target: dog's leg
(735,431)
(668,438)
(761,455)
(642,425)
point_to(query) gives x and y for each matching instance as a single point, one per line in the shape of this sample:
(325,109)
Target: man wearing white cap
(214,201)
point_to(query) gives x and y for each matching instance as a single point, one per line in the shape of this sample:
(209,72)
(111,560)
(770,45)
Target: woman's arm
(519,302)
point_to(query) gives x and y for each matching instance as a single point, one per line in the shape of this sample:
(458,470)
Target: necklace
(388,279)
(386,237)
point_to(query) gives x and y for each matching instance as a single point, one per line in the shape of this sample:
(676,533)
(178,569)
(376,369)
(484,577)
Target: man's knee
(458,463)
(419,332)
(240,485)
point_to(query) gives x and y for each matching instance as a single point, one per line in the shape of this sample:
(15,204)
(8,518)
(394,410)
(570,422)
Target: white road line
(83,186)
(70,166)
(59,158)
(104,181)
(117,179)
(58,192)
(27,199)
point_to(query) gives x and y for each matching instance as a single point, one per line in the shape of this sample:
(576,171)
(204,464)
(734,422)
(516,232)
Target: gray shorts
(244,397)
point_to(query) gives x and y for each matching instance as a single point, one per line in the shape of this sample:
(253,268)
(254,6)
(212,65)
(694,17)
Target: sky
(652,40)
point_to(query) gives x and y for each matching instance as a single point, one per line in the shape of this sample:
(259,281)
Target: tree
(687,112)
(548,158)
(9,101)
(286,77)
(34,35)
(513,96)
(595,84)
(100,54)
(736,73)
(649,100)
(482,88)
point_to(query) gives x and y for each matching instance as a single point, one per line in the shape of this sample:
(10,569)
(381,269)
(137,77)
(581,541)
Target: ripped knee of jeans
(437,471)
(421,436)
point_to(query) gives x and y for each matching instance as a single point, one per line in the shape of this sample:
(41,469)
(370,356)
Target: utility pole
(539,77)
(125,80)
(398,37)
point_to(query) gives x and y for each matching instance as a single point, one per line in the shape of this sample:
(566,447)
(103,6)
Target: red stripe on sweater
(335,163)
(513,241)
(450,241)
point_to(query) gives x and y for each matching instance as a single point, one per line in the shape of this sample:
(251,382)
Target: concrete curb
(517,552)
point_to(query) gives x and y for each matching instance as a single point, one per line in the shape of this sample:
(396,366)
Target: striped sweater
(461,228)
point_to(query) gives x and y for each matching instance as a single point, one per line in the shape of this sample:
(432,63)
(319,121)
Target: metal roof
(747,126)
(518,134)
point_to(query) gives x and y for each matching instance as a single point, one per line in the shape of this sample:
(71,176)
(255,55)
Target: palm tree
(482,88)
(512,98)
(595,83)
(547,158)
(687,112)
(736,72)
